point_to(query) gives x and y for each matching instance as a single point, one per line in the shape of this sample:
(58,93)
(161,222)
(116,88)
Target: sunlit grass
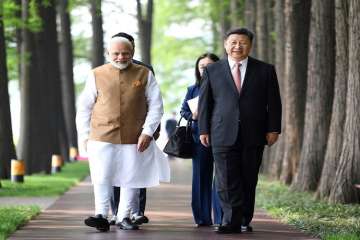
(13,217)
(46,185)
(37,185)
(327,221)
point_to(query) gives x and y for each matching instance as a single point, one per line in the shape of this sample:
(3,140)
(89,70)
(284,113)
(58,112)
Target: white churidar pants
(129,203)
(102,194)
(122,165)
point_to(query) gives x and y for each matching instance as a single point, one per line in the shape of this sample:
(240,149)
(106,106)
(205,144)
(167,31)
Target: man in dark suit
(138,218)
(239,112)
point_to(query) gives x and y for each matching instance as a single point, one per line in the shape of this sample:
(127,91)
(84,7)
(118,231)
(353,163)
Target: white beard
(120,66)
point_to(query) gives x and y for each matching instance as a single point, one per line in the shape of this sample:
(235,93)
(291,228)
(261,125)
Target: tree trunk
(67,78)
(224,23)
(262,30)
(319,94)
(335,139)
(261,41)
(18,39)
(97,51)
(40,93)
(7,148)
(235,7)
(250,21)
(348,172)
(270,22)
(145,30)
(276,159)
(296,55)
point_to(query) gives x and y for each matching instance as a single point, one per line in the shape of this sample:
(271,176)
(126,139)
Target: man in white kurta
(118,113)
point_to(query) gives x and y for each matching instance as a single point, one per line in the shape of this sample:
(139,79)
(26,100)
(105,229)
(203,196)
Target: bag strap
(188,124)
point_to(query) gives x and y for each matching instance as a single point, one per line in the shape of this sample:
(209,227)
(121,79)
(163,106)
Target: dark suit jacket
(145,65)
(257,108)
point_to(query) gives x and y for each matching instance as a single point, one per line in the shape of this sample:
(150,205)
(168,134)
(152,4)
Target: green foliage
(36,185)
(81,48)
(13,217)
(12,25)
(47,185)
(327,221)
(174,56)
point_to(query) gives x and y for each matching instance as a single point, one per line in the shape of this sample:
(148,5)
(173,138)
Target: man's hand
(271,138)
(85,144)
(194,115)
(143,142)
(205,140)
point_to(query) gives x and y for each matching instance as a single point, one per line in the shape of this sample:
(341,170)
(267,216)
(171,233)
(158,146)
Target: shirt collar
(242,62)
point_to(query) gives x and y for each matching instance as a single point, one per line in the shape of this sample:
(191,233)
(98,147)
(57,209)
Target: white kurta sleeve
(155,106)
(85,106)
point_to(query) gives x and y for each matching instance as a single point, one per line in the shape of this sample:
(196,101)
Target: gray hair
(119,40)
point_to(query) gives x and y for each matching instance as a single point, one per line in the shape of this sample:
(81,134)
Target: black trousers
(236,176)
(115,199)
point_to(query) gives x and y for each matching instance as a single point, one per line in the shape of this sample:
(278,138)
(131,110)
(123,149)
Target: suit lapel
(228,75)
(248,75)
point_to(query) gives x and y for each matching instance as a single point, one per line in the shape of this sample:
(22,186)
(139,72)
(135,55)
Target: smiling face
(237,46)
(120,54)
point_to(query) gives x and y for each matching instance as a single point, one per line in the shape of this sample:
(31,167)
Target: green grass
(37,185)
(323,220)
(46,185)
(13,217)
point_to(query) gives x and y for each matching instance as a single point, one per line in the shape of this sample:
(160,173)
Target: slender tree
(271,25)
(296,58)
(262,32)
(7,148)
(66,68)
(319,94)
(40,91)
(145,29)
(348,172)
(279,17)
(97,51)
(250,21)
(335,139)
(236,7)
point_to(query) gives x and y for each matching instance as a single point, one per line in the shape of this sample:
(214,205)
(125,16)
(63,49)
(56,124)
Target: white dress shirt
(243,67)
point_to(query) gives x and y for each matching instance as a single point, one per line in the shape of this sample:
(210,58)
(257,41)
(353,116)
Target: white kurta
(122,164)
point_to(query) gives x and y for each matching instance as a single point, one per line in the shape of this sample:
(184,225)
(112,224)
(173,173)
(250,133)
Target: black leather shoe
(98,222)
(227,229)
(140,219)
(247,228)
(127,224)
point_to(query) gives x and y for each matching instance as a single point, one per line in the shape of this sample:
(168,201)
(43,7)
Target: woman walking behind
(202,178)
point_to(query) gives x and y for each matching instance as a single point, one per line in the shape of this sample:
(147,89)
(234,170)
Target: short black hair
(212,56)
(125,35)
(240,31)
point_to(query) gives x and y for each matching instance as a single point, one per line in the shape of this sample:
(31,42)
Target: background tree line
(312,43)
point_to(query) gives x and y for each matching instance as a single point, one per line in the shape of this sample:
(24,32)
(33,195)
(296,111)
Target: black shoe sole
(141,221)
(100,224)
(128,228)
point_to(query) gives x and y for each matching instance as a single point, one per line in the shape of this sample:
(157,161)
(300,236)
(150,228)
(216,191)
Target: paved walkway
(168,208)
